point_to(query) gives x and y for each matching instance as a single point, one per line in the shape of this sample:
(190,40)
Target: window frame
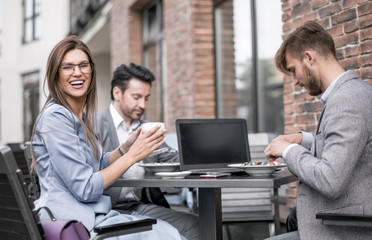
(158,42)
(26,19)
(257,112)
(30,81)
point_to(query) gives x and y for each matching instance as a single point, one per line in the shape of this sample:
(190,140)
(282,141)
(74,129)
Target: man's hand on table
(277,146)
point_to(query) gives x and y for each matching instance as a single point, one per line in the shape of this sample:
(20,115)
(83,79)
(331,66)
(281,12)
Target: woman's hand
(127,144)
(145,144)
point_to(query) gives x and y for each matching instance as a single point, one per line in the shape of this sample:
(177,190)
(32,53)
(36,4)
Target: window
(31,20)
(152,40)
(248,85)
(30,102)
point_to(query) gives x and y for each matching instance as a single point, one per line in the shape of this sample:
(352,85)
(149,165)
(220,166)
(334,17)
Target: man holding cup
(130,92)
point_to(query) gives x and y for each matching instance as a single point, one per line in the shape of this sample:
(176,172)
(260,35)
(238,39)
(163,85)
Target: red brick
(295,3)
(351,26)
(289,119)
(288,98)
(340,53)
(352,38)
(288,109)
(315,4)
(336,31)
(314,106)
(310,128)
(301,9)
(305,119)
(288,88)
(300,107)
(326,23)
(351,51)
(292,184)
(300,97)
(366,73)
(344,16)
(350,63)
(348,3)
(365,21)
(286,6)
(329,10)
(366,34)
(365,47)
(365,9)
(365,60)
(286,16)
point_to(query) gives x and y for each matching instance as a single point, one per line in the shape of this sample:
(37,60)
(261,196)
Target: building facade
(28,31)
(211,58)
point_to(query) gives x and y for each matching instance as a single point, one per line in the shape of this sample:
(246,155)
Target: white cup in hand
(150,125)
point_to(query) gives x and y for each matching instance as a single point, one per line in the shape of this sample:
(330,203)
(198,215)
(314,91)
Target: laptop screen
(212,143)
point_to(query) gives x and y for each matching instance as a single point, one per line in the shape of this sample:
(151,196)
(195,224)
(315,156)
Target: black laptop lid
(212,143)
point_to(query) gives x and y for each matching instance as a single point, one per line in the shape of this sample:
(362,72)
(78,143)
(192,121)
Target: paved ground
(231,231)
(247,231)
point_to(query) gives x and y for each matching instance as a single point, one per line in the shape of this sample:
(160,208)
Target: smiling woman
(72,168)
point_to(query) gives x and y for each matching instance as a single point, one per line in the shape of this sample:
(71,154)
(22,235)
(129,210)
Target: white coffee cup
(149,125)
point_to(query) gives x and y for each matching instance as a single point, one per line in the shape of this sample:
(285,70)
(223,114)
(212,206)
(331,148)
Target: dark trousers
(291,222)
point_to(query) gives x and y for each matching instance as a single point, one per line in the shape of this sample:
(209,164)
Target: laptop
(209,145)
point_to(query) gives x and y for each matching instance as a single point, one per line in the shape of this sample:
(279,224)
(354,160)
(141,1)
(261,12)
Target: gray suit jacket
(336,172)
(108,137)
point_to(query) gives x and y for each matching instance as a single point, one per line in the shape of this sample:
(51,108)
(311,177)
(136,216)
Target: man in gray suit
(130,92)
(333,165)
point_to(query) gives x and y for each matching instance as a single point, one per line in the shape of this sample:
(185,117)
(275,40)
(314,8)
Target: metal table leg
(276,212)
(210,214)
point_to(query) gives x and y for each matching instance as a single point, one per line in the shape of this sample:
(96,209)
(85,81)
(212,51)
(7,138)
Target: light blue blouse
(69,176)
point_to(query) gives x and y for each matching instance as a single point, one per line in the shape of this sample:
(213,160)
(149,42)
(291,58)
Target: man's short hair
(310,36)
(123,74)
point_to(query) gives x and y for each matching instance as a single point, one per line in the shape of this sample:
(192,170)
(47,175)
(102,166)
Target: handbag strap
(62,229)
(51,216)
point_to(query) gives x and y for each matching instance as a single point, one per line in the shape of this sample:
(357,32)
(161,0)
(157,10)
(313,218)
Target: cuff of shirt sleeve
(105,161)
(307,139)
(287,149)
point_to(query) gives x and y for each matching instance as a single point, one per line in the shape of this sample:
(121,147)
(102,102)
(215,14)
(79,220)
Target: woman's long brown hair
(57,93)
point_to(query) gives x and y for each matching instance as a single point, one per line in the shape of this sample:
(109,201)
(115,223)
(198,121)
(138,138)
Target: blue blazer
(68,170)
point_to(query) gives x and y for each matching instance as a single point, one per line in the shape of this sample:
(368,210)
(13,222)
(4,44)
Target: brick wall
(350,24)
(188,33)
(227,92)
(125,34)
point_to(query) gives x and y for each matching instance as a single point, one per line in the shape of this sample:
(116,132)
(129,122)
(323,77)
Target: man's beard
(312,83)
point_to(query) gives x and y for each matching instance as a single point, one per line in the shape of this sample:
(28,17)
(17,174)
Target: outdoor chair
(33,187)
(18,220)
(345,217)
(240,205)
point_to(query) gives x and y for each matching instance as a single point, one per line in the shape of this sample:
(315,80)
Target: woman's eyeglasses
(69,68)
